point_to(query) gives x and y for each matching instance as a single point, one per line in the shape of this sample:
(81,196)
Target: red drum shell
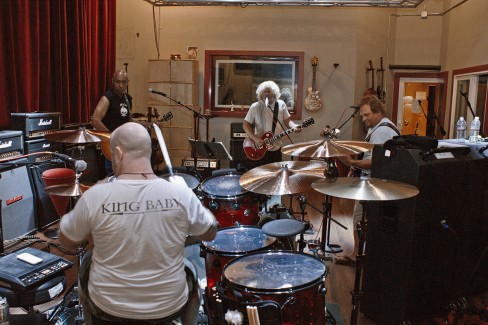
(228,201)
(294,280)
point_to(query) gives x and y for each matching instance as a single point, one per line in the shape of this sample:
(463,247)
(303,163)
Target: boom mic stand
(196,116)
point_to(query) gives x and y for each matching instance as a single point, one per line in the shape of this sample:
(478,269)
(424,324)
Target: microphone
(355,107)
(79,165)
(150,90)
(266,101)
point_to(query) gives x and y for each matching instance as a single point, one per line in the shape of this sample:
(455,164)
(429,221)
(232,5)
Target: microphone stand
(432,115)
(353,115)
(465,95)
(196,116)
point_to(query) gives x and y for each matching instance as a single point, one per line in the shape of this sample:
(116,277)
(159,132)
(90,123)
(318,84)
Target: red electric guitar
(255,152)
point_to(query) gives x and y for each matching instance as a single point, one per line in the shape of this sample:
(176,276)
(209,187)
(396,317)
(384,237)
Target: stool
(284,228)
(58,176)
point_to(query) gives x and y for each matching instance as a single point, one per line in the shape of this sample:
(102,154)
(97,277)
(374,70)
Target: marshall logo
(45,122)
(7,144)
(46,145)
(14,199)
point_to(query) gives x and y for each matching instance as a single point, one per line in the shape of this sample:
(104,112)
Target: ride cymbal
(286,177)
(76,136)
(75,189)
(365,188)
(326,149)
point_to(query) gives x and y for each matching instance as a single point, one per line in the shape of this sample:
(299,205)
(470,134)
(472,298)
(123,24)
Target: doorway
(419,104)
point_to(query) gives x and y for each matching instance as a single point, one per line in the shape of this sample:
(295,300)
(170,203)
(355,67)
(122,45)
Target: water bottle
(4,312)
(461,129)
(474,131)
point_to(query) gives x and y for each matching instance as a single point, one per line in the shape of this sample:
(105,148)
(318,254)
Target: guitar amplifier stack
(237,136)
(33,126)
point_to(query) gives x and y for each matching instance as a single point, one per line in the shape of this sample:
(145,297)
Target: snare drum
(191,179)
(229,202)
(294,280)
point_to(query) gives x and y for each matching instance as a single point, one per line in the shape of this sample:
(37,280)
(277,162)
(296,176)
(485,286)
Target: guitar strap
(391,126)
(275,117)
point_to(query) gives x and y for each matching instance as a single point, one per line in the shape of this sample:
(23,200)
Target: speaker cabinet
(240,159)
(45,212)
(17,202)
(425,251)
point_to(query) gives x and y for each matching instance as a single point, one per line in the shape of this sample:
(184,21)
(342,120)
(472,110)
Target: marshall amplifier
(40,145)
(237,131)
(35,124)
(11,144)
(204,166)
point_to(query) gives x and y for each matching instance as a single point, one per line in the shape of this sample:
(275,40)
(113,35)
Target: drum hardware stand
(357,292)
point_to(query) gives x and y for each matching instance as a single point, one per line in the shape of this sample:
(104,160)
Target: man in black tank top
(114,107)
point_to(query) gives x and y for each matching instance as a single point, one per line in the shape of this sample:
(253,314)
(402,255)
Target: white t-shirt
(139,228)
(262,118)
(379,135)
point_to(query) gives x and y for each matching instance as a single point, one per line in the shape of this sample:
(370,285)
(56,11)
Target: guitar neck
(276,137)
(313,76)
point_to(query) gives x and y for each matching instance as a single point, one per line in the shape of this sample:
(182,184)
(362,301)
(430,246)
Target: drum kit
(252,264)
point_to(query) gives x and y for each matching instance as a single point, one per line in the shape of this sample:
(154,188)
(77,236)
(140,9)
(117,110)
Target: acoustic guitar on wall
(105,144)
(313,101)
(255,152)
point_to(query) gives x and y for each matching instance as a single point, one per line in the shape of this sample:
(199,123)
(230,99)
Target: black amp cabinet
(18,214)
(240,160)
(425,251)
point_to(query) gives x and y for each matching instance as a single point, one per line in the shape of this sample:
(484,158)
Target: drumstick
(164,150)
(250,315)
(256,316)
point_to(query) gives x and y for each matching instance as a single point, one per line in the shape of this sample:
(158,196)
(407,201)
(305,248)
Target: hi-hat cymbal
(286,177)
(77,136)
(365,189)
(326,149)
(75,189)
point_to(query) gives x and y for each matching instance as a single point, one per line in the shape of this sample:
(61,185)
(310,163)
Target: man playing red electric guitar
(268,114)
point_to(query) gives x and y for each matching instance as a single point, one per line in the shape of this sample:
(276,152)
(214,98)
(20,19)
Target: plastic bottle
(4,312)
(461,129)
(474,130)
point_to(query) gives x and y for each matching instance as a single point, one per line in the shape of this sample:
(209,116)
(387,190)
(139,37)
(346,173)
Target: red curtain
(55,56)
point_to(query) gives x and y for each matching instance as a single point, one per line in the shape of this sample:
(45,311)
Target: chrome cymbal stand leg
(326,221)
(357,292)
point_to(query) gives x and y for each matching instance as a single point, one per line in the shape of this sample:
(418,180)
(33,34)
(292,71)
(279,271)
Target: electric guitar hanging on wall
(255,152)
(371,90)
(313,101)
(105,144)
(380,90)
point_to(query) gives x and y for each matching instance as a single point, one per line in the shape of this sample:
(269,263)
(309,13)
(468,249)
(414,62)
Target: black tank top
(119,110)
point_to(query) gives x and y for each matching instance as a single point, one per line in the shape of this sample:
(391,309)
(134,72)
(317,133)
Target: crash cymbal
(326,149)
(286,177)
(75,189)
(75,136)
(365,188)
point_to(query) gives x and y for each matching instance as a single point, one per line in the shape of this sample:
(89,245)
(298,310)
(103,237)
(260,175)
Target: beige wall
(348,36)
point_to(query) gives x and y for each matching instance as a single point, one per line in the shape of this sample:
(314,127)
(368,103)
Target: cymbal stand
(303,202)
(330,173)
(360,257)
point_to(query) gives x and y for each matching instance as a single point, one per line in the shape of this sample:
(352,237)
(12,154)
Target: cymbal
(326,149)
(76,136)
(75,189)
(365,189)
(286,177)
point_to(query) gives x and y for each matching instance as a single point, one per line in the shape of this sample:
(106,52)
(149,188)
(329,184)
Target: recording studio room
(295,162)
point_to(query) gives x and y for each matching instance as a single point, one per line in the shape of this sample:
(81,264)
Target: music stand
(210,150)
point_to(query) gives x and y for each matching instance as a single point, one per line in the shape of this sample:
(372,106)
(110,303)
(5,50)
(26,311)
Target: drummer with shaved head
(138,223)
